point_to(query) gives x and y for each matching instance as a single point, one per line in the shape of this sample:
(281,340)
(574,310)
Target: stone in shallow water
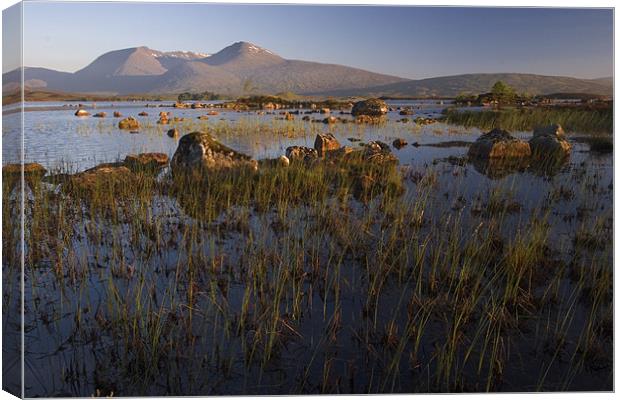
(324,143)
(370,107)
(399,143)
(499,144)
(198,151)
(129,123)
(549,142)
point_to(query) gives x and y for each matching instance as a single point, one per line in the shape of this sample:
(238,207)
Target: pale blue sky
(412,42)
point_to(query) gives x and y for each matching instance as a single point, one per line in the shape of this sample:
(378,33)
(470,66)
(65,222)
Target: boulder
(129,123)
(399,143)
(379,153)
(330,120)
(289,117)
(199,151)
(499,144)
(149,162)
(163,118)
(203,117)
(324,143)
(370,107)
(283,161)
(213,112)
(549,142)
(117,114)
(100,115)
(173,133)
(82,113)
(301,153)
(143,114)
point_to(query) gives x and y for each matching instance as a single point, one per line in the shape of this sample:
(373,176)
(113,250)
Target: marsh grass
(328,277)
(581,120)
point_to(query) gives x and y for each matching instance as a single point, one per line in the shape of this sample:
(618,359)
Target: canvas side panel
(12,135)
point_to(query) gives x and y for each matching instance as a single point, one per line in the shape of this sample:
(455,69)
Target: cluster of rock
(547,143)
(326,145)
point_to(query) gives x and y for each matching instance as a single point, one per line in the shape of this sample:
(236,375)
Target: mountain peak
(240,51)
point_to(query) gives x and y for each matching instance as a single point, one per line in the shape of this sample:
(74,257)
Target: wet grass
(581,120)
(331,277)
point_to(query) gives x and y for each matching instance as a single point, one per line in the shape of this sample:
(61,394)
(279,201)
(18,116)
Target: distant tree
(503,93)
(465,97)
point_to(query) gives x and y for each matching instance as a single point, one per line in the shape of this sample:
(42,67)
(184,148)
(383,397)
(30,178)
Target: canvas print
(205,199)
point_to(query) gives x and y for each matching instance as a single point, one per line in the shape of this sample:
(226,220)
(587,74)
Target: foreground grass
(321,278)
(581,120)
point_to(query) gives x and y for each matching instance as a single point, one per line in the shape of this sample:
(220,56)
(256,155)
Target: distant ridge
(451,86)
(245,68)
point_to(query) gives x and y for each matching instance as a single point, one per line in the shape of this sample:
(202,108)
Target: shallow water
(55,137)
(73,350)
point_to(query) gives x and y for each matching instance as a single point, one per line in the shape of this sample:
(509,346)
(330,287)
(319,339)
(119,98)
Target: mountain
(240,68)
(245,68)
(450,86)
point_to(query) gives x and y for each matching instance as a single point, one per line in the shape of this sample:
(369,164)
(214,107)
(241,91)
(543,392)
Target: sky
(411,42)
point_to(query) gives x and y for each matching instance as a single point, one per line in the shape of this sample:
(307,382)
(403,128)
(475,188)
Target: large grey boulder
(198,151)
(499,144)
(370,107)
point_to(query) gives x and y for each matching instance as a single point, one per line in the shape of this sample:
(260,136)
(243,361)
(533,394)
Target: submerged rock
(379,153)
(198,150)
(301,153)
(117,114)
(325,142)
(370,107)
(367,119)
(499,144)
(549,142)
(399,143)
(100,115)
(81,113)
(497,168)
(129,123)
(143,114)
